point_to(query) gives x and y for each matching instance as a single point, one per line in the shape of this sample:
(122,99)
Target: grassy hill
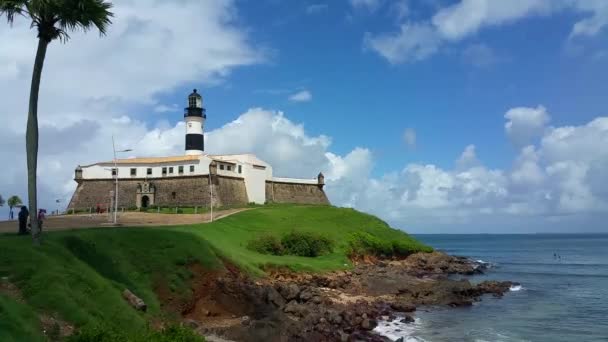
(78,276)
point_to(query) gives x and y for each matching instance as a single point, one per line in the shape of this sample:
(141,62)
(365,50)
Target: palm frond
(11,8)
(85,15)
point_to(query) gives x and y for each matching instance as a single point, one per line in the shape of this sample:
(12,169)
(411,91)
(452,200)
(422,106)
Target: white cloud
(301,96)
(409,137)
(401,9)
(162,108)
(525,124)
(91,85)
(316,8)
(413,42)
(467,17)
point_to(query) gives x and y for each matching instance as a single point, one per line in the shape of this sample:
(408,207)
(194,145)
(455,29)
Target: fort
(193,179)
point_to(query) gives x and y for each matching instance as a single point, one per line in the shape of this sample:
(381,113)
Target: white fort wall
(254,172)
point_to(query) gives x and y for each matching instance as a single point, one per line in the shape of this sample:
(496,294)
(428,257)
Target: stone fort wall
(279,192)
(175,191)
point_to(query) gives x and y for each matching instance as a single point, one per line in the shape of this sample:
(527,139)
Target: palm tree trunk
(31,140)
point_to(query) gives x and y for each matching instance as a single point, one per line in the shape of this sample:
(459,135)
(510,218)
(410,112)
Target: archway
(145,201)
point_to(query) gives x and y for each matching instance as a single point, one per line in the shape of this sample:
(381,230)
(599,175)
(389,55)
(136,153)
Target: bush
(294,243)
(306,244)
(266,244)
(361,243)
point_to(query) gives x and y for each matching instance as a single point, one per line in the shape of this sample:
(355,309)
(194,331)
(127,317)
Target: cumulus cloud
(301,96)
(413,42)
(466,17)
(525,123)
(91,86)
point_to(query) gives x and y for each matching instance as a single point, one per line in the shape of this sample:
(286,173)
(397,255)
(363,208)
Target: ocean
(563,294)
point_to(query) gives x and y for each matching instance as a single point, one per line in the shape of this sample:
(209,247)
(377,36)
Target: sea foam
(515,288)
(395,329)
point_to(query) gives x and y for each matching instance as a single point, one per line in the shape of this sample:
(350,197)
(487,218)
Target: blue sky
(359,99)
(438,116)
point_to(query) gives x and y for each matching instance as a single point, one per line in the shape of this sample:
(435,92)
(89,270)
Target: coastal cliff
(211,280)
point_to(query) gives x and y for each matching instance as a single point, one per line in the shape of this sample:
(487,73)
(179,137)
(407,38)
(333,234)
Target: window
(133,172)
(173,194)
(240,169)
(221,166)
(164,171)
(114,172)
(191,168)
(149,171)
(171,170)
(229,167)
(180,170)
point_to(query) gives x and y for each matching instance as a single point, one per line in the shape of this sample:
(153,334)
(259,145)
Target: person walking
(41,217)
(23,215)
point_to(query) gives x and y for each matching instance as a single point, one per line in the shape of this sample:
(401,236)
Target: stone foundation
(174,191)
(278,192)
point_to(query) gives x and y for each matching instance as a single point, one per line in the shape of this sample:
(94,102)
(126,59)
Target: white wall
(103,171)
(255,183)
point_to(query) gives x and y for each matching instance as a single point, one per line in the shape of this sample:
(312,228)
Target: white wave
(515,288)
(395,329)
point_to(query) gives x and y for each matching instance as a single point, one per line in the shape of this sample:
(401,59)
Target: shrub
(266,244)
(361,243)
(294,243)
(306,244)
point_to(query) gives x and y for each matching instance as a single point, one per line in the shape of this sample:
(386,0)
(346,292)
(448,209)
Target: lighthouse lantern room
(195,116)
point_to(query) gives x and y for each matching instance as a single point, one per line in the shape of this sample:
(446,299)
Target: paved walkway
(130,219)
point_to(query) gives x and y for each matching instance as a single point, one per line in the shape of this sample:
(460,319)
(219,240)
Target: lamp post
(116,177)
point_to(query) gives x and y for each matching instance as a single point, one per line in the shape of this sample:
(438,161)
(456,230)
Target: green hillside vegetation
(78,276)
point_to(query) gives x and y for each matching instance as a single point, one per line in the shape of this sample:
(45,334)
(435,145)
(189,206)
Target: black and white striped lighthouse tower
(195,116)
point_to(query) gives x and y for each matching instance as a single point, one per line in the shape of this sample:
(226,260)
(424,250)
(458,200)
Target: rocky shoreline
(338,306)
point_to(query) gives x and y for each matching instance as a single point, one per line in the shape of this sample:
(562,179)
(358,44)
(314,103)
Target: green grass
(18,321)
(79,275)
(231,235)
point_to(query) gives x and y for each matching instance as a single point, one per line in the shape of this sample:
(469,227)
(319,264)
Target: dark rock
(306,295)
(403,307)
(335,318)
(368,324)
(274,297)
(407,319)
(290,291)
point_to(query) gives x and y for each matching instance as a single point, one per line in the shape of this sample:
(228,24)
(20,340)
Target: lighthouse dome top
(194,93)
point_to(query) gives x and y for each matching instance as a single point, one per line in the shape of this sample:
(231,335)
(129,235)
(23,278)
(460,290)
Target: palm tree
(12,202)
(53,19)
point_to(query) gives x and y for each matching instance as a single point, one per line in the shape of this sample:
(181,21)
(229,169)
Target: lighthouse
(195,116)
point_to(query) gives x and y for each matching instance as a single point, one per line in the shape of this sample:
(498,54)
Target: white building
(255,173)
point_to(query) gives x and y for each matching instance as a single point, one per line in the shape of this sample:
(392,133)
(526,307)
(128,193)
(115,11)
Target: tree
(53,19)
(1,201)
(13,201)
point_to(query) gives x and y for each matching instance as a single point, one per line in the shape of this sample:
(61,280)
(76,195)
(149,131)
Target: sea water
(563,294)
